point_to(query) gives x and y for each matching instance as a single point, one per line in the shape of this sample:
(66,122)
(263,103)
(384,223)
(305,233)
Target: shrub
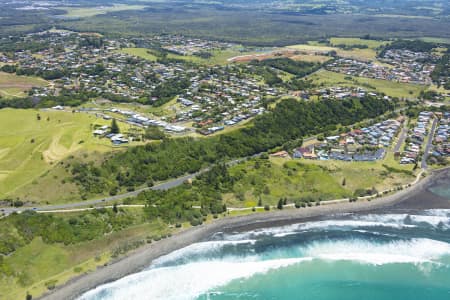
(51,284)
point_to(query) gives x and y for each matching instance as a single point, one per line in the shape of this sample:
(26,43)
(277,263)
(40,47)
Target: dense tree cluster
(20,229)
(176,205)
(441,73)
(169,89)
(412,45)
(298,68)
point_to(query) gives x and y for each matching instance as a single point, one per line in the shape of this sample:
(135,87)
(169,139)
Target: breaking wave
(202,267)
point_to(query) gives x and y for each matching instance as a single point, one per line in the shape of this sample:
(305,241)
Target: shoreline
(141,258)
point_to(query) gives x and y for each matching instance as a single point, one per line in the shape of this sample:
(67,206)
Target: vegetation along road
(163,186)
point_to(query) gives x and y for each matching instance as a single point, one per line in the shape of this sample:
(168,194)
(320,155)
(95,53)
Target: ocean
(389,255)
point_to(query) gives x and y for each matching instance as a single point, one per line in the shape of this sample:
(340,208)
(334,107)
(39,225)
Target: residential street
(424,164)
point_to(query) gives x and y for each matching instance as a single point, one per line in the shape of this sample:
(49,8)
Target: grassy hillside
(270,180)
(29,148)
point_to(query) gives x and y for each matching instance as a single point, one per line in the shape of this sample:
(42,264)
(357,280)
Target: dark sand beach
(416,197)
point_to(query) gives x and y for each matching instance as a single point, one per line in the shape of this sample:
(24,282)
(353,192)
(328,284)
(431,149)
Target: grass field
(30,148)
(372,44)
(325,78)
(219,57)
(139,52)
(13,86)
(368,54)
(82,12)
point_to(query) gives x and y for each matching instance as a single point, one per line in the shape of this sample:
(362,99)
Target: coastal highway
(162,186)
(101,201)
(424,164)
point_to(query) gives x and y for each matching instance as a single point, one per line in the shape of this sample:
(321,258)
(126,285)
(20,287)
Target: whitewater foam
(432,218)
(201,250)
(183,282)
(402,251)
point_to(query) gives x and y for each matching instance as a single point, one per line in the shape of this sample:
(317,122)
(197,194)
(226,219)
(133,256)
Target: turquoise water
(376,256)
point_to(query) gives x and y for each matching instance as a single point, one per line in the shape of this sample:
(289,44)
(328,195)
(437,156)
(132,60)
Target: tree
(38,117)
(343,182)
(154,133)
(115,210)
(114,127)
(280,204)
(29,296)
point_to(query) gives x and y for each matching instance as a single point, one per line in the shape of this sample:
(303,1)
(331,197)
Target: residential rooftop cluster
(399,65)
(441,139)
(416,138)
(222,97)
(342,92)
(365,144)
(187,46)
(93,65)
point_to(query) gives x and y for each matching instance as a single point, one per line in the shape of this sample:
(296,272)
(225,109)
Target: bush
(196,222)
(18,203)
(51,284)
(114,191)
(266,207)
(280,204)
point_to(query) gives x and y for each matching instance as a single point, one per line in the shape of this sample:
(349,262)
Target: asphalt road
(424,164)
(94,202)
(162,186)
(401,138)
